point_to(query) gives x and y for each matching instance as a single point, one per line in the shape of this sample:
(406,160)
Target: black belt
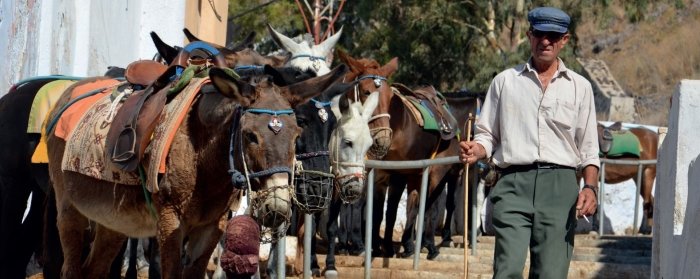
(533,166)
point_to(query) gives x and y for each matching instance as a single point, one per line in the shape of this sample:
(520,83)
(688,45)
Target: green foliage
(445,43)
(246,16)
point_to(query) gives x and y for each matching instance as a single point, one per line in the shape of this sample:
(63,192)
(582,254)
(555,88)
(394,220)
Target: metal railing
(418,164)
(601,210)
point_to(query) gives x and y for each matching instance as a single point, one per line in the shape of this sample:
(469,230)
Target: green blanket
(429,122)
(624,143)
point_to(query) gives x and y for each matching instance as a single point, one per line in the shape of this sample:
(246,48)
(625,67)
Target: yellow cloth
(43,103)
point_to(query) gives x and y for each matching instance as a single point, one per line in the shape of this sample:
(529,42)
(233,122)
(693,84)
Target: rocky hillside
(648,58)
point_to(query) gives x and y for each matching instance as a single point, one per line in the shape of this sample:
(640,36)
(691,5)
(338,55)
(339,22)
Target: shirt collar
(561,71)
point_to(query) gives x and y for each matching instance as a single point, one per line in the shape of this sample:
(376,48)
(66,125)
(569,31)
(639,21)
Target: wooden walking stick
(468,128)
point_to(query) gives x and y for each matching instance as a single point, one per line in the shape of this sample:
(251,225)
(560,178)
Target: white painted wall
(676,245)
(81,37)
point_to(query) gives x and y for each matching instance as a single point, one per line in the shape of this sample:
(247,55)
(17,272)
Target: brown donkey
(406,141)
(229,126)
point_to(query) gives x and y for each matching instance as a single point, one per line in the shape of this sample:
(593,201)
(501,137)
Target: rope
(149,202)
(53,122)
(313,154)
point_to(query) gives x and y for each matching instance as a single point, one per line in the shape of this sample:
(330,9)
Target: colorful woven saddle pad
(85,143)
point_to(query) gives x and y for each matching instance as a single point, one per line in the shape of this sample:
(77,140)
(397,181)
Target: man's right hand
(471,151)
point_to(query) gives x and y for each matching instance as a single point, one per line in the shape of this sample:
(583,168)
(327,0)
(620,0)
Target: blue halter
(237,178)
(311,57)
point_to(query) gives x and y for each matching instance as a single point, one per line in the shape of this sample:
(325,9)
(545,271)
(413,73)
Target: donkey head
(264,131)
(349,144)
(372,77)
(313,179)
(305,56)
(241,54)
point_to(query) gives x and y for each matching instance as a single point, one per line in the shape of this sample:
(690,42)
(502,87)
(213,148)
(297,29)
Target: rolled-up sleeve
(487,125)
(587,130)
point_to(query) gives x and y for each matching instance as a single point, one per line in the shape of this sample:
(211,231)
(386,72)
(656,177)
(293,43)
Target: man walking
(538,125)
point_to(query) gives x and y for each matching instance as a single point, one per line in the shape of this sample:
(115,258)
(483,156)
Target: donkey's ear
(190,37)
(283,41)
(277,77)
(326,46)
(227,85)
(369,106)
(391,67)
(338,88)
(339,106)
(302,92)
(248,42)
(167,52)
(355,66)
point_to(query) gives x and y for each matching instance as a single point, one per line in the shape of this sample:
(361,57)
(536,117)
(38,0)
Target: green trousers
(534,209)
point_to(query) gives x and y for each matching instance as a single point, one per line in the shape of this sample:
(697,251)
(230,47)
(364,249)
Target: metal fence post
(421,216)
(368,223)
(309,232)
(281,256)
(601,212)
(638,183)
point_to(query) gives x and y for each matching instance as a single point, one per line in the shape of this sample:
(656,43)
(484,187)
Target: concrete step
(402,270)
(594,257)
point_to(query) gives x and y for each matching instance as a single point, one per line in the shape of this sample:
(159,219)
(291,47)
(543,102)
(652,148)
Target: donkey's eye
(251,137)
(348,142)
(301,121)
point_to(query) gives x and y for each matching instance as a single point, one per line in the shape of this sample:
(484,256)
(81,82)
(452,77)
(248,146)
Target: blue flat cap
(549,19)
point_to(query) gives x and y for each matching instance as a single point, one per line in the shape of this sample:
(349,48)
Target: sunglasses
(552,36)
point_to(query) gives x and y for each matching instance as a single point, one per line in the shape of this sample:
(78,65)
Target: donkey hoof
(315,272)
(433,254)
(407,253)
(331,274)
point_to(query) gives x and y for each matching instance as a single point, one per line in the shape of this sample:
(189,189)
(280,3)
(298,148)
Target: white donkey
(349,143)
(306,56)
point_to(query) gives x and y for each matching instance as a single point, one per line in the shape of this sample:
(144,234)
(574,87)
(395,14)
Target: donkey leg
(200,246)
(170,239)
(396,189)
(13,197)
(332,225)
(450,206)
(408,233)
(105,247)
(71,229)
(377,217)
(646,191)
(355,236)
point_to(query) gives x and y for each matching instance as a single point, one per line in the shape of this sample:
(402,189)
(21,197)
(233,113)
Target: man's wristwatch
(593,188)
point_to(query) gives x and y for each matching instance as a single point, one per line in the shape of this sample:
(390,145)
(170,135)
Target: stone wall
(676,245)
(611,101)
(83,37)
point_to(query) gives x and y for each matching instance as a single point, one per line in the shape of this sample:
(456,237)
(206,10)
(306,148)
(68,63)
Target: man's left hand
(587,203)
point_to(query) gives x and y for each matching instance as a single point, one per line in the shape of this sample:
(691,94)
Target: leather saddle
(606,139)
(135,121)
(436,103)
(144,72)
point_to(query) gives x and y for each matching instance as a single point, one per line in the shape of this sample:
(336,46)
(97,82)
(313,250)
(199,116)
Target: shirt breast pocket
(565,115)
